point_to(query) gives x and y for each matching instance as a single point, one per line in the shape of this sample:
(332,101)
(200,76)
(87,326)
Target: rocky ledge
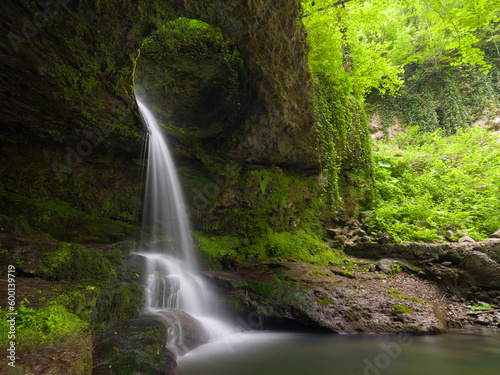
(468,269)
(288,294)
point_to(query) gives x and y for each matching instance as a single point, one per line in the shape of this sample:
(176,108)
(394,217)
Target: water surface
(460,352)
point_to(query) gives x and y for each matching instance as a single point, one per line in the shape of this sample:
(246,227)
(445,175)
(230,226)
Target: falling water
(173,282)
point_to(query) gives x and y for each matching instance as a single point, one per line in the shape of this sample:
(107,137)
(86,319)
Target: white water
(173,281)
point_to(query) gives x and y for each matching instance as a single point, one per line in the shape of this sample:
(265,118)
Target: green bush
(428,183)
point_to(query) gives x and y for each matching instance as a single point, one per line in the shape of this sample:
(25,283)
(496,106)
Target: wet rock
(385,265)
(147,345)
(466,239)
(185,332)
(338,300)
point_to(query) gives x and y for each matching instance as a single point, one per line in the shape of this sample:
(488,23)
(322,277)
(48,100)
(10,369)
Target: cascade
(173,286)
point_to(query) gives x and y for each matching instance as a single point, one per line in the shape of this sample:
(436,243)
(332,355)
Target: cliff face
(67,71)
(71,130)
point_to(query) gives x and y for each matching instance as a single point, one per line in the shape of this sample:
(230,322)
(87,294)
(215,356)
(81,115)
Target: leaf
(481,306)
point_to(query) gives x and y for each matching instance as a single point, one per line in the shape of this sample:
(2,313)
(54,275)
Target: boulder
(385,265)
(466,239)
(484,270)
(353,223)
(449,235)
(496,234)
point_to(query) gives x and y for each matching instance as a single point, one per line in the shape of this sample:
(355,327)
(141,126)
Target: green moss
(401,309)
(326,301)
(73,262)
(250,203)
(302,246)
(395,293)
(44,325)
(318,272)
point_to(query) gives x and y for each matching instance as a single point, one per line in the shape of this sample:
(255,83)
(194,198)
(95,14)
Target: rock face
(67,75)
(149,344)
(289,293)
(475,263)
(71,132)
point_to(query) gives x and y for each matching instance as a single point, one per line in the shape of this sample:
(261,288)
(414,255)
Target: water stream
(173,283)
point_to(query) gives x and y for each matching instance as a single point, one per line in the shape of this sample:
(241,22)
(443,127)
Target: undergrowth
(429,183)
(46,325)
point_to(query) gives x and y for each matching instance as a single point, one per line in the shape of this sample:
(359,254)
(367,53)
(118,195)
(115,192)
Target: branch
(336,4)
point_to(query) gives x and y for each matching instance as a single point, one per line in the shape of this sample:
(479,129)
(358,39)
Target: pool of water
(459,352)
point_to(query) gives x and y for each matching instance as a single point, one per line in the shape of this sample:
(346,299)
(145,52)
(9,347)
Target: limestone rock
(339,301)
(484,270)
(466,239)
(385,265)
(496,234)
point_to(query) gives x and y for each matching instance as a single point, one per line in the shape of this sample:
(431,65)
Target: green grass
(447,182)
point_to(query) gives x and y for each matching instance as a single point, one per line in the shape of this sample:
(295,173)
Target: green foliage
(481,306)
(449,98)
(74,263)
(401,309)
(342,133)
(301,246)
(345,43)
(45,325)
(444,182)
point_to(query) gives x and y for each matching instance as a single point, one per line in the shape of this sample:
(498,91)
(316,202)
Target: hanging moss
(443,97)
(343,137)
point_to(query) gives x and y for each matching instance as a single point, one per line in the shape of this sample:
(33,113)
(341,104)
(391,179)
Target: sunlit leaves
(364,44)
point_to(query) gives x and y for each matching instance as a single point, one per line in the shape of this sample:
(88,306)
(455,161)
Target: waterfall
(173,282)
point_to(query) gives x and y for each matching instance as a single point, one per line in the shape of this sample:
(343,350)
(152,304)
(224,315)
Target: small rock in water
(385,265)
(466,239)
(446,264)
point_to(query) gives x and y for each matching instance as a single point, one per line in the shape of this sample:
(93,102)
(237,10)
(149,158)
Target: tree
(365,44)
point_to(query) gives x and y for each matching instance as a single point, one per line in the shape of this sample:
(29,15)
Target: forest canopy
(365,44)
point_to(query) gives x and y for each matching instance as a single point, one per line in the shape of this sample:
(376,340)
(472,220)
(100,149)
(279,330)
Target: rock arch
(67,70)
